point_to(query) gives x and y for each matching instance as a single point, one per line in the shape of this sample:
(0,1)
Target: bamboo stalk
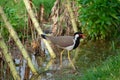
(54,16)
(9,59)
(72,16)
(73,24)
(18,42)
(37,27)
(49,64)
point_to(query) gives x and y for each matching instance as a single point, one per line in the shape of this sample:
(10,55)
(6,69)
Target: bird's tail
(43,36)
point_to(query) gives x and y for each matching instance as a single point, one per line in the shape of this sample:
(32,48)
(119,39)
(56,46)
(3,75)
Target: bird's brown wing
(61,41)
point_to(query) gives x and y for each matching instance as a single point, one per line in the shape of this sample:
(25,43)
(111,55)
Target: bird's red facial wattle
(82,36)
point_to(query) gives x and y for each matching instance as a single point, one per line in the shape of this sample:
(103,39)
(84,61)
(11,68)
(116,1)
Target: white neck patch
(76,36)
(74,40)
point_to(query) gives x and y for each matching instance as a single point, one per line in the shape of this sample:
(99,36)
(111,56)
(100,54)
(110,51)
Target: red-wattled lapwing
(65,42)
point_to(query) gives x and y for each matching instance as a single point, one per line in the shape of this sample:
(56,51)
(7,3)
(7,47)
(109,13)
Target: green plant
(100,19)
(109,70)
(15,13)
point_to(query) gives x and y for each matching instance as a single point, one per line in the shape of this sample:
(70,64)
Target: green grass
(109,70)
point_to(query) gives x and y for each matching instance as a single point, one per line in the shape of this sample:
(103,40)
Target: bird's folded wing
(62,41)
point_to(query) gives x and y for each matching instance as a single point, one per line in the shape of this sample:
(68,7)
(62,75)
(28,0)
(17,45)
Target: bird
(66,43)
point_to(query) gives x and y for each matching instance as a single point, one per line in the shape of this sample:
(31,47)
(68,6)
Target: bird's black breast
(76,43)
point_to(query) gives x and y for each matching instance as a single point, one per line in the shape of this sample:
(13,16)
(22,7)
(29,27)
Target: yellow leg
(71,61)
(61,58)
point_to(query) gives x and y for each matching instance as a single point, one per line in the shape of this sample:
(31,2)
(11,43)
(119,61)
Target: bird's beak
(82,35)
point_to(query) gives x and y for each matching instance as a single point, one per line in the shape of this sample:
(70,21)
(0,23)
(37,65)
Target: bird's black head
(79,35)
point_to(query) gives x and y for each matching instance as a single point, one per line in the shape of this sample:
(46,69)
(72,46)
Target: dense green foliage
(100,18)
(15,13)
(109,70)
